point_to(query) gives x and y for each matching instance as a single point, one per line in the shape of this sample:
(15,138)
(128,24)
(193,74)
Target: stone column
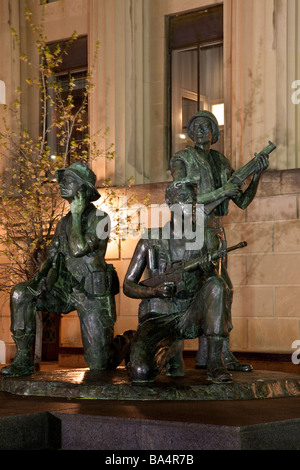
(119,91)
(9,57)
(261,56)
(98,99)
(287,43)
(250,78)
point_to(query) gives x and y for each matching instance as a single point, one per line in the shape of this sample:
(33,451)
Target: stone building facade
(261,78)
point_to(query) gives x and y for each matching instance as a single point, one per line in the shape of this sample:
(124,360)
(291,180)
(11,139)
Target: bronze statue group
(196,304)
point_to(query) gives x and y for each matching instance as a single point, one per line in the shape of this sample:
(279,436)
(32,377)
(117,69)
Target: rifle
(241,174)
(174,275)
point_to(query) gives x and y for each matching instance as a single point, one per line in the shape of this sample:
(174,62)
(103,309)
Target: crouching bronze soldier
(74,276)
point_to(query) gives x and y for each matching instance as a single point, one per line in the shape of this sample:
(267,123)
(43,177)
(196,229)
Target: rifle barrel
(221,253)
(236,247)
(268,149)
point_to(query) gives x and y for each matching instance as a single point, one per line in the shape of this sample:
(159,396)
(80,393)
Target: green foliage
(30,206)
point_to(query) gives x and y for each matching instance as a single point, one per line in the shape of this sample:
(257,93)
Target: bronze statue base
(116,385)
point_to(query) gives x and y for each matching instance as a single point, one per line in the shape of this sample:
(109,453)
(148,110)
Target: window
(196,71)
(71,76)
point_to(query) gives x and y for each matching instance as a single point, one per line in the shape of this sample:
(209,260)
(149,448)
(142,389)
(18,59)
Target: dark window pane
(76,56)
(196,54)
(68,100)
(196,27)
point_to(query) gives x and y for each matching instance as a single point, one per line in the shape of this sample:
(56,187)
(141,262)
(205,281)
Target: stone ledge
(272,183)
(115,385)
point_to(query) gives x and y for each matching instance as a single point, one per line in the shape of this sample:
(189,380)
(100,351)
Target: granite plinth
(116,385)
(260,410)
(52,431)
(123,434)
(37,431)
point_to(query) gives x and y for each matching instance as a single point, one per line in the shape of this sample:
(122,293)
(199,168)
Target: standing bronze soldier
(212,172)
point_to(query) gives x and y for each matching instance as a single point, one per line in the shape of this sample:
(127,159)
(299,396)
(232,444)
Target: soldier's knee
(141,372)
(20,293)
(218,286)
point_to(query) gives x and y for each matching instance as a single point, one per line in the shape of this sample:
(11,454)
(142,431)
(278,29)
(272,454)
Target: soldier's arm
(243,199)
(94,236)
(228,190)
(77,241)
(47,264)
(131,286)
(136,268)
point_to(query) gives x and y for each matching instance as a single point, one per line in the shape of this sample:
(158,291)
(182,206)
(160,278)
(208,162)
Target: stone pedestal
(120,434)
(38,431)
(170,414)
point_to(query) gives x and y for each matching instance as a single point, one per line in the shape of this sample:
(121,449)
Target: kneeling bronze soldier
(167,314)
(74,276)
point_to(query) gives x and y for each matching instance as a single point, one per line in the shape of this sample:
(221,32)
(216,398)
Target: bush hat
(84,173)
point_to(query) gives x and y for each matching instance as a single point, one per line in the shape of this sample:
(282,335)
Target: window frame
(70,66)
(172,45)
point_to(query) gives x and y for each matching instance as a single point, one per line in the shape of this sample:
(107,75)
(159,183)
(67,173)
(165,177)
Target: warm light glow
(182,136)
(218,111)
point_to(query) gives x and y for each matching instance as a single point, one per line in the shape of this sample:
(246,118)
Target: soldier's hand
(77,206)
(262,162)
(231,190)
(164,291)
(206,264)
(37,284)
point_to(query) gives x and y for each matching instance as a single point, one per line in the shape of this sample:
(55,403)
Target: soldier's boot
(231,362)
(216,370)
(120,349)
(201,356)
(175,367)
(22,363)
